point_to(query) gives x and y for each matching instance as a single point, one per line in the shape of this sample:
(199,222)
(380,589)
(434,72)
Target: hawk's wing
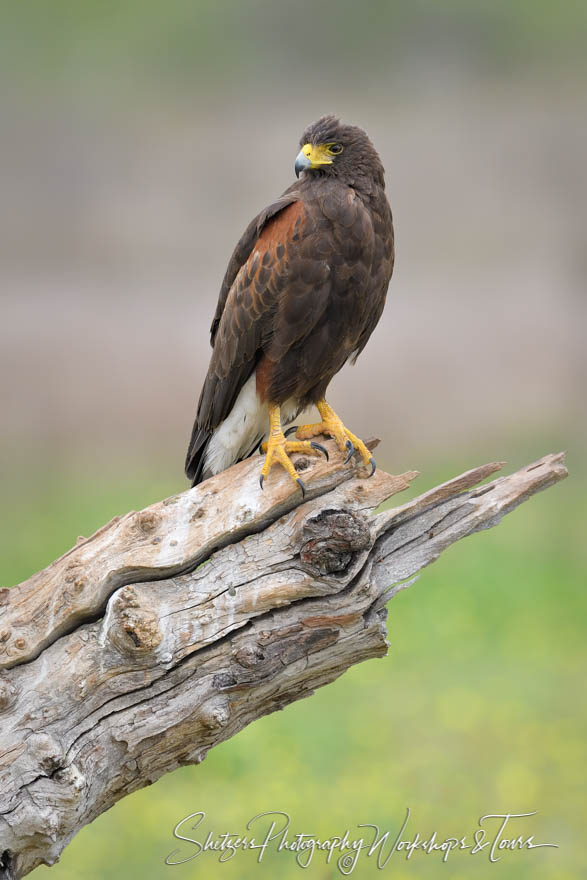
(243,250)
(277,267)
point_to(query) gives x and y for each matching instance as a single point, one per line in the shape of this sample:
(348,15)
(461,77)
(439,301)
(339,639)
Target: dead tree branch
(171,629)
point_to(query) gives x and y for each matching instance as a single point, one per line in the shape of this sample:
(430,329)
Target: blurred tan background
(137,139)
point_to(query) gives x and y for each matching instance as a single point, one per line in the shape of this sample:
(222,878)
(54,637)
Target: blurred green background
(137,141)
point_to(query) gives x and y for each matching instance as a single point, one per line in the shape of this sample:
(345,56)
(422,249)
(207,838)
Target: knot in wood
(249,655)
(7,694)
(74,779)
(73,573)
(148,520)
(134,630)
(224,680)
(142,630)
(215,715)
(331,538)
(46,751)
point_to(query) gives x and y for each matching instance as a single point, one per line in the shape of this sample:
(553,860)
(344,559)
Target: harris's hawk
(302,293)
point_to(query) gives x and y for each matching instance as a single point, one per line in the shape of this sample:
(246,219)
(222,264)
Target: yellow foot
(278,449)
(333,427)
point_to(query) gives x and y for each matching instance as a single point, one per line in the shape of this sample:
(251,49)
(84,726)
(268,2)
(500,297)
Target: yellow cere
(318,155)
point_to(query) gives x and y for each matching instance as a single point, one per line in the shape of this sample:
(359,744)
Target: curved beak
(302,163)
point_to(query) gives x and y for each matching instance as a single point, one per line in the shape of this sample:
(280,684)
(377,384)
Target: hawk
(302,293)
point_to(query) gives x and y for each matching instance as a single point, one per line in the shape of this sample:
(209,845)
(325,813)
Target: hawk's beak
(302,162)
(311,156)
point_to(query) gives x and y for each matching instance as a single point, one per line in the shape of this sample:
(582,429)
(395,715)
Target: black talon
(261,478)
(351,450)
(291,430)
(373,466)
(320,448)
(302,487)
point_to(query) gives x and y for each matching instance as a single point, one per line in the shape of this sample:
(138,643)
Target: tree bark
(171,629)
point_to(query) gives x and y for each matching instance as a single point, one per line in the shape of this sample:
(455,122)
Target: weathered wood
(171,629)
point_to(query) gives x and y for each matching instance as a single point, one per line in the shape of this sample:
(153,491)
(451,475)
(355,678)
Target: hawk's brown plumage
(302,293)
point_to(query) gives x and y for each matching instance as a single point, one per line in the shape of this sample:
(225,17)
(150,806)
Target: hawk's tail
(196,457)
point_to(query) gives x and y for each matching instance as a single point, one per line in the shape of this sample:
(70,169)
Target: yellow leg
(333,426)
(277,448)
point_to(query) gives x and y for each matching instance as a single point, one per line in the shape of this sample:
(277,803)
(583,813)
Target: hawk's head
(331,148)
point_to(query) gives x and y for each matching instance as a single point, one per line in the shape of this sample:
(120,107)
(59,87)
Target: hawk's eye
(335,149)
